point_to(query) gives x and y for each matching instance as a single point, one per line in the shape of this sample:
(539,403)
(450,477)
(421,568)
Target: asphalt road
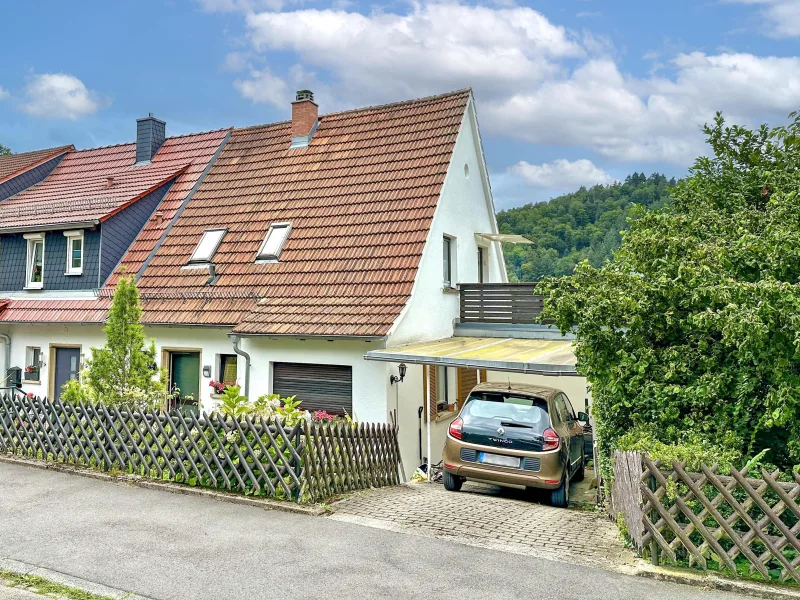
(167,546)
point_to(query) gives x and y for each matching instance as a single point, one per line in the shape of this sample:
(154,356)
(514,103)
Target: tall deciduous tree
(694,328)
(124,371)
(4,150)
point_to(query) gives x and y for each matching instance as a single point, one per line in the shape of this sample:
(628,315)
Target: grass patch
(45,587)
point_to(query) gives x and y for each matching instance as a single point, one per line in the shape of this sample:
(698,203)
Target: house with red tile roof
(275,256)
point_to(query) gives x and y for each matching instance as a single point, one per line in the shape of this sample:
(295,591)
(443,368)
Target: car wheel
(559,497)
(451,482)
(581,472)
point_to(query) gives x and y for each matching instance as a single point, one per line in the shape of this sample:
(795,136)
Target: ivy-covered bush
(693,329)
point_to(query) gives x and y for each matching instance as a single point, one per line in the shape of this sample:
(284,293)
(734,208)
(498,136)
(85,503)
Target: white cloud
(435,47)
(561,174)
(653,119)
(3,93)
(264,88)
(533,80)
(60,96)
(782,17)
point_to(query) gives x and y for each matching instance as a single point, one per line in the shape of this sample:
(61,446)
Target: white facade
(465,209)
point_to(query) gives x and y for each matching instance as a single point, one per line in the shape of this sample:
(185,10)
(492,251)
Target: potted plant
(219,388)
(32,373)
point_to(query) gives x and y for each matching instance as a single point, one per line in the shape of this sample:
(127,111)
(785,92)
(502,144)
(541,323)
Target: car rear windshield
(508,408)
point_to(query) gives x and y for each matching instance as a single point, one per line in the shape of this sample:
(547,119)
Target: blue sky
(569,92)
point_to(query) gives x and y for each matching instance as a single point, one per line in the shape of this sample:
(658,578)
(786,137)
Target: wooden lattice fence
(247,455)
(733,523)
(343,457)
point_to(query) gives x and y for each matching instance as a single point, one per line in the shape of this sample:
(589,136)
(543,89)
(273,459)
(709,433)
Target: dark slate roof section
(28,178)
(12,165)
(121,229)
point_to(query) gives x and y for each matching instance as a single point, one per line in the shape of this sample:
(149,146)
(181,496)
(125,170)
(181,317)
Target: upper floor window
(273,244)
(34,264)
(74,252)
(207,246)
(447,261)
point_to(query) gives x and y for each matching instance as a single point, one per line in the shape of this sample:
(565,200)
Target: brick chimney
(150,135)
(304,118)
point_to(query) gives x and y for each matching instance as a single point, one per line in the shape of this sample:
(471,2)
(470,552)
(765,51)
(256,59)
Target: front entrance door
(67,367)
(184,379)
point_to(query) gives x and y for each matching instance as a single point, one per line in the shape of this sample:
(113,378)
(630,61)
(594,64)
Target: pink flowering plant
(323,417)
(221,386)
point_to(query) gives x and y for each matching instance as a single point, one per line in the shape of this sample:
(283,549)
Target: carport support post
(428,420)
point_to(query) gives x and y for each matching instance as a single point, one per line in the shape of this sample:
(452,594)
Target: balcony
(499,303)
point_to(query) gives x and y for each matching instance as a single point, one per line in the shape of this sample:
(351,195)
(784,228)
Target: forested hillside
(576,226)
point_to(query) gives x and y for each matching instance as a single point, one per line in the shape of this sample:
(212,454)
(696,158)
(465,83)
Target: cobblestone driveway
(490,517)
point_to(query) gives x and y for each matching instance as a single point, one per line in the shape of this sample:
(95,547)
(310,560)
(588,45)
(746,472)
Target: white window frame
(261,257)
(205,261)
(33,238)
(449,260)
(71,236)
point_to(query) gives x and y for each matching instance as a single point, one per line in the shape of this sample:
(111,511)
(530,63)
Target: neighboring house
(304,245)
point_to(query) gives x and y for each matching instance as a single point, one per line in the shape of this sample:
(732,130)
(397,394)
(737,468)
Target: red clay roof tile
(360,200)
(12,165)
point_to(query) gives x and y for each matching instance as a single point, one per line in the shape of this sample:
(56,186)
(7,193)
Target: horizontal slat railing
(510,303)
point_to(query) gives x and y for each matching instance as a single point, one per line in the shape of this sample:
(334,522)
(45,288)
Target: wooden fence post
(653,518)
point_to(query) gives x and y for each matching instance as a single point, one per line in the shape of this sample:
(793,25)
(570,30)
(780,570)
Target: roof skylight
(273,243)
(207,246)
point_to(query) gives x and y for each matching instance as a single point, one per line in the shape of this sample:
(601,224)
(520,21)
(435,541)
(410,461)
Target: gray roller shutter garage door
(320,387)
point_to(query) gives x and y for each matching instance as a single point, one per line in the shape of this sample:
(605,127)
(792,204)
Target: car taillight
(455,428)
(551,440)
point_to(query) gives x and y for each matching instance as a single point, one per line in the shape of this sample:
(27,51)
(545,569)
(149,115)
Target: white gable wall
(465,208)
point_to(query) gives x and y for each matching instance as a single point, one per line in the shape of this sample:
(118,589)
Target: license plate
(499,460)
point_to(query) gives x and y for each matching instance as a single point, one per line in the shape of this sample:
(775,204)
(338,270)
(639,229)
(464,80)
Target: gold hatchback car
(516,435)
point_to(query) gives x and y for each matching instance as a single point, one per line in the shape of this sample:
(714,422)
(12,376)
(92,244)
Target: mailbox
(14,377)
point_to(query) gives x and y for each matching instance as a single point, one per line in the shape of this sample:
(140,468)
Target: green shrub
(693,449)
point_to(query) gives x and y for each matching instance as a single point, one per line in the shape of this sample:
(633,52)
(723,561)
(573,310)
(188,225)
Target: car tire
(559,497)
(451,482)
(580,473)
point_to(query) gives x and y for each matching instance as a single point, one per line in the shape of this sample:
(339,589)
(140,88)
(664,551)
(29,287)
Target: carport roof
(536,356)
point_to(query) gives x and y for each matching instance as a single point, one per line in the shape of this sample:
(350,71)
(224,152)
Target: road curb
(165,486)
(714,582)
(15,566)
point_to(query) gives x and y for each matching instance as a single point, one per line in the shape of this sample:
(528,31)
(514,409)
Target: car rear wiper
(512,424)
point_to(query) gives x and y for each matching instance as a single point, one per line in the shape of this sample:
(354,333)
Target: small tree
(124,371)
(4,151)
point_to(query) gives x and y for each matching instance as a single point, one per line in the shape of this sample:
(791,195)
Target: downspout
(236,339)
(6,355)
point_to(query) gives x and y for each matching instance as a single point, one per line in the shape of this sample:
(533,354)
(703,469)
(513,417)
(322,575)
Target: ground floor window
(226,368)
(320,387)
(33,363)
(442,388)
(448,388)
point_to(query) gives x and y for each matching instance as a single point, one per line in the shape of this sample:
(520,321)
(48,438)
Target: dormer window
(74,252)
(34,265)
(207,246)
(273,243)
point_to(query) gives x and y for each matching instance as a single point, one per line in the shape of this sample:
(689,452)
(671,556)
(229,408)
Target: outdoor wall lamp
(402,370)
